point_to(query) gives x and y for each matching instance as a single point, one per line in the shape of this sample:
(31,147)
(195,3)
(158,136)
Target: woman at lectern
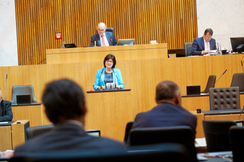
(108,74)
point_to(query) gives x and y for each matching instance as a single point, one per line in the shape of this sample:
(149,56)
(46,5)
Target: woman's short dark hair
(63,99)
(110,56)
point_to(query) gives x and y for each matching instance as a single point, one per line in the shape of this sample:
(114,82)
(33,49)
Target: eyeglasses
(109,61)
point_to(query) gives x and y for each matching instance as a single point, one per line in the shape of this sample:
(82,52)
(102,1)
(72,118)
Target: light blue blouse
(117,78)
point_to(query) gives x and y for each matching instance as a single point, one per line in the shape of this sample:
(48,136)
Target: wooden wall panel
(141,76)
(173,22)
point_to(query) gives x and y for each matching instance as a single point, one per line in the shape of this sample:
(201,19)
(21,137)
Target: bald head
(1,96)
(168,91)
(101,28)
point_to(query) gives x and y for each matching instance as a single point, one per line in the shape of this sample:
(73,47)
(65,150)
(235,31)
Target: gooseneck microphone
(6,87)
(220,77)
(242,66)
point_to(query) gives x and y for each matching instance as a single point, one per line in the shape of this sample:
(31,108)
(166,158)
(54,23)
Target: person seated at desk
(108,74)
(65,107)
(168,111)
(5,109)
(203,45)
(103,38)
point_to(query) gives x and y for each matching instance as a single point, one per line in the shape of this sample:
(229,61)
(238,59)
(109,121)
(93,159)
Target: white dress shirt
(106,40)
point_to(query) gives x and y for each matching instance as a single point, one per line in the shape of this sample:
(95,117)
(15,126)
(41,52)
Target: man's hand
(205,52)
(117,87)
(101,88)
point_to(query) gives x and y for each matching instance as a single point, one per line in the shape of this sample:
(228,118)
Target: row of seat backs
(224,135)
(159,152)
(237,80)
(143,136)
(225,97)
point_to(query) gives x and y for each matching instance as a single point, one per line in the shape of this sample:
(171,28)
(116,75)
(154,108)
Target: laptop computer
(23,99)
(126,41)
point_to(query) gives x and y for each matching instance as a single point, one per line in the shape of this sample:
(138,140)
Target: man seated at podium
(203,45)
(103,38)
(108,74)
(5,109)
(65,107)
(168,111)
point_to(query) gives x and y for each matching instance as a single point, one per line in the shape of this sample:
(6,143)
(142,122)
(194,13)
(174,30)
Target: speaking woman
(108,74)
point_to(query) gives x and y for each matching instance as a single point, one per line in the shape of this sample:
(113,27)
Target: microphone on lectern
(242,66)
(220,77)
(6,87)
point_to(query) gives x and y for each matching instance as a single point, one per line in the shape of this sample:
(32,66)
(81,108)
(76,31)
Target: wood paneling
(141,76)
(75,55)
(32,113)
(18,133)
(167,21)
(5,138)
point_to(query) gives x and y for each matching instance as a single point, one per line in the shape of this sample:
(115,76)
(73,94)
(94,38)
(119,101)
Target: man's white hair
(101,23)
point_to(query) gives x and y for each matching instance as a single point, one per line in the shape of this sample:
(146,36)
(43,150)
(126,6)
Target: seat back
(109,29)
(224,98)
(188,47)
(210,83)
(177,134)
(217,134)
(38,130)
(127,130)
(23,90)
(237,143)
(162,152)
(238,80)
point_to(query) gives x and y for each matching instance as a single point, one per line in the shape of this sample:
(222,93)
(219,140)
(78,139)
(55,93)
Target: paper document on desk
(201,142)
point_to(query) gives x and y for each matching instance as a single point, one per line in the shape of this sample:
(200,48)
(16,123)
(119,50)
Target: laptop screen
(95,133)
(23,99)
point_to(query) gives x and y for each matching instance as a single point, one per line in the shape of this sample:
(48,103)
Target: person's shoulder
(198,39)
(212,39)
(94,36)
(117,70)
(6,102)
(109,33)
(100,70)
(188,113)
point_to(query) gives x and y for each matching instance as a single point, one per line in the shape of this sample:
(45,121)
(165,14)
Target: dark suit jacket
(67,136)
(165,115)
(110,37)
(198,46)
(7,114)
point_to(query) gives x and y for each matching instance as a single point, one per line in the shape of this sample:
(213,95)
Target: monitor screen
(125,41)
(235,42)
(72,45)
(95,133)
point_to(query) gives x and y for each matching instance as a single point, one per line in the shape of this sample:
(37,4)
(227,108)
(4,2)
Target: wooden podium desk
(109,112)
(33,113)
(93,54)
(13,135)
(201,117)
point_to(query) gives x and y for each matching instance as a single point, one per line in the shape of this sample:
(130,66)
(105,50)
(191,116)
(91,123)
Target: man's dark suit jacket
(110,37)
(198,46)
(67,136)
(6,108)
(165,115)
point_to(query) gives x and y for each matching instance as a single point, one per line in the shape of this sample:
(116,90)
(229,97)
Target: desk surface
(112,90)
